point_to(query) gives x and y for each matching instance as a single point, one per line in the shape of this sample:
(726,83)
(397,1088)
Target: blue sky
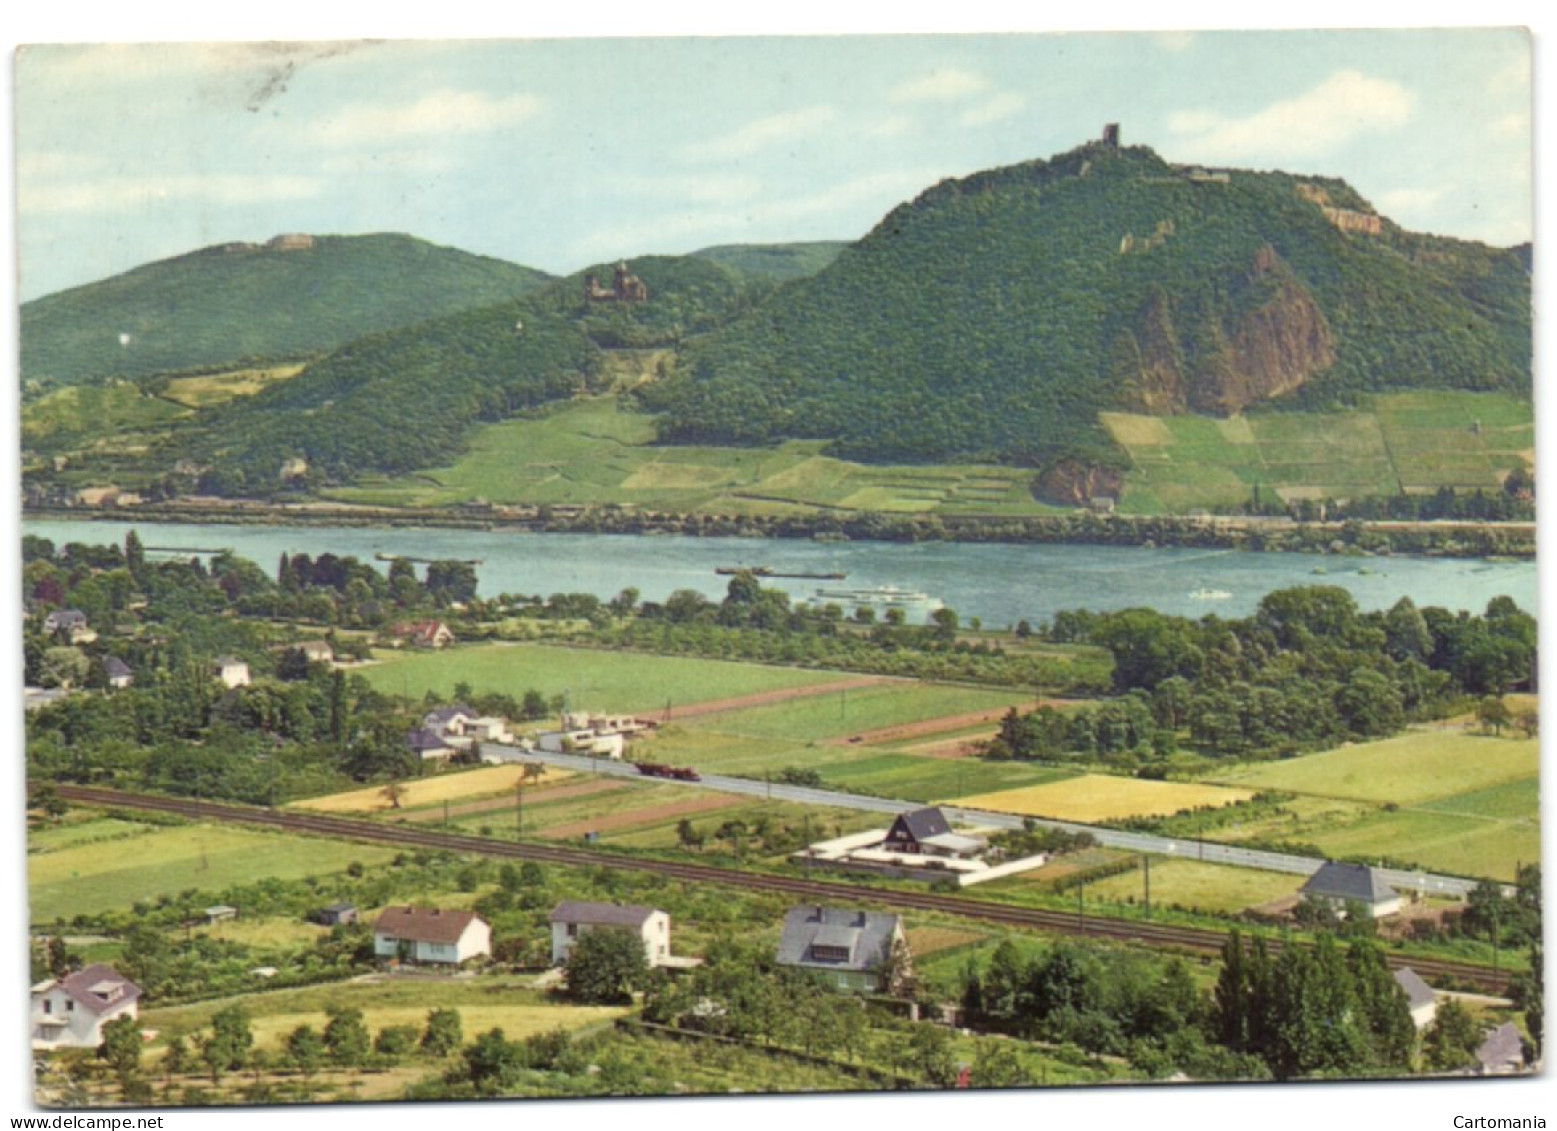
(559,153)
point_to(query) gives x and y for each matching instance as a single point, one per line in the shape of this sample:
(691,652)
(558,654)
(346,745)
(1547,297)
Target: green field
(1408,441)
(1195,886)
(593,451)
(935,779)
(592,680)
(1443,842)
(108,416)
(843,714)
(107,875)
(1418,767)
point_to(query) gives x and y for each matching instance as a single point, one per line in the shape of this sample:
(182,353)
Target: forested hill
(290,297)
(995,315)
(777,261)
(407,399)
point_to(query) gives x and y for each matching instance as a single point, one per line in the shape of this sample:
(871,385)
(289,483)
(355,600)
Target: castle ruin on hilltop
(625,287)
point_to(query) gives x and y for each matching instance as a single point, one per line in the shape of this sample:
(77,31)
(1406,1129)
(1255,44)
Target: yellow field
(457,786)
(1099,797)
(218,388)
(1130,428)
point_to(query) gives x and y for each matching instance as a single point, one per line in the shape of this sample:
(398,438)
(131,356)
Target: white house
(119,674)
(488,728)
(587,742)
(431,935)
(70,1012)
(232,671)
(572,919)
(1419,997)
(72,622)
(1342,884)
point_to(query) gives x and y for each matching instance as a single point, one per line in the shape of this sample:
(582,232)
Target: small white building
(1342,884)
(316,651)
(232,671)
(430,746)
(488,728)
(424,934)
(586,742)
(573,918)
(1419,997)
(119,674)
(70,1012)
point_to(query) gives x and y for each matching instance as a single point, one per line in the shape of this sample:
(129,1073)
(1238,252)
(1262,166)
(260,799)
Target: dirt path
(630,817)
(491,804)
(766,698)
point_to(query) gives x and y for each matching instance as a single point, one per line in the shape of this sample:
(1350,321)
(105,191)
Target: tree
(1452,1039)
(346,1037)
(61,960)
(1493,714)
(896,968)
(930,1050)
(491,1060)
(175,1057)
(304,1050)
(605,965)
(451,582)
(443,1034)
(393,792)
(121,1048)
(687,834)
(46,799)
(231,1038)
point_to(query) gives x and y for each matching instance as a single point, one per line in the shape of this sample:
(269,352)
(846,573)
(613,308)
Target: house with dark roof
(1420,998)
(119,673)
(72,622)
(70,1012)
(574,918)
(429,934)
(426,744)
(1502,1053)
(1343,884)
(336,913)
(848,949)
(448,720)
(926,832)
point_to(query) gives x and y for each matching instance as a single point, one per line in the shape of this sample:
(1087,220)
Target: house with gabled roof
(423,634)
(1420,998)
(70,1012)
(1502,1053)
(1341,884)
(72,622)
(573,919)
(926,832)
(428,745)
(848,949)
(119,673)
(430,934)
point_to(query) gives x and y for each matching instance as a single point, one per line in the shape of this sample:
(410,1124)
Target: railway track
(1189,939)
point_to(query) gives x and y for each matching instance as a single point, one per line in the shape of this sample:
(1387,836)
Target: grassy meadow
(1101,797)
(113,873)
(593,680)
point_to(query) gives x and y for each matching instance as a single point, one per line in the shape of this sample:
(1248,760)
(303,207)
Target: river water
(998,583)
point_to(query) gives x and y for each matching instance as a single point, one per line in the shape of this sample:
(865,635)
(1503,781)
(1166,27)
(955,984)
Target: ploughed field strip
(335,827)
(505,804)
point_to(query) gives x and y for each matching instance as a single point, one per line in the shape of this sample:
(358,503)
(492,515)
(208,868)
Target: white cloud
(711,189)
(439,114)
(129,194)
(948,84)
(995,109)
(1342,107)
(763,133)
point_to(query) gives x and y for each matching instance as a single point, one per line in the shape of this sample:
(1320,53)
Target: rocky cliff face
(1075,483)
(1268,339)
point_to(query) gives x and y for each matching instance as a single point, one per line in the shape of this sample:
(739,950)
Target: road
(1429,883)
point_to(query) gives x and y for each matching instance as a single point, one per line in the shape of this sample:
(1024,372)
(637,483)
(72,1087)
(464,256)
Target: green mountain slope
(779,262)
(995,316)
(291,297)
(407,399)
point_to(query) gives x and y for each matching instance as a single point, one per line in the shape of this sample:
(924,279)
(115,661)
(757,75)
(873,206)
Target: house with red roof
(430,934)
(70,1012)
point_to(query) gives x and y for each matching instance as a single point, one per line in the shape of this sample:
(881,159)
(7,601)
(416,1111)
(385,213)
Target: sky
(562,153)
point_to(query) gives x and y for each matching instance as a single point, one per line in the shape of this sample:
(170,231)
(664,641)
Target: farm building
(336,913)
(317,651)
(1419,997)
(119,673)
(70,1012)
(1341,884)
(414,934)
(232,671)
(848,948)
(574,918)
(1502,1053)
(926,832)
(220,913)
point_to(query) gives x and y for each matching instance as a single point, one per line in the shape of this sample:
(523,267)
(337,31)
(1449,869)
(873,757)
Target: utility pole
(445,814)
(1146,871)
(519,806)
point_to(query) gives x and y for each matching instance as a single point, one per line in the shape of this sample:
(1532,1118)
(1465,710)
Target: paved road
(1210,852)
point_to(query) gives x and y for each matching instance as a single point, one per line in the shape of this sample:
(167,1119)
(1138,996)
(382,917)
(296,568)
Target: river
(998,583)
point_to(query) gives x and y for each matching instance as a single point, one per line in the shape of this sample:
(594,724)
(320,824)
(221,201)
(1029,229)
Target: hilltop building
(625,287)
